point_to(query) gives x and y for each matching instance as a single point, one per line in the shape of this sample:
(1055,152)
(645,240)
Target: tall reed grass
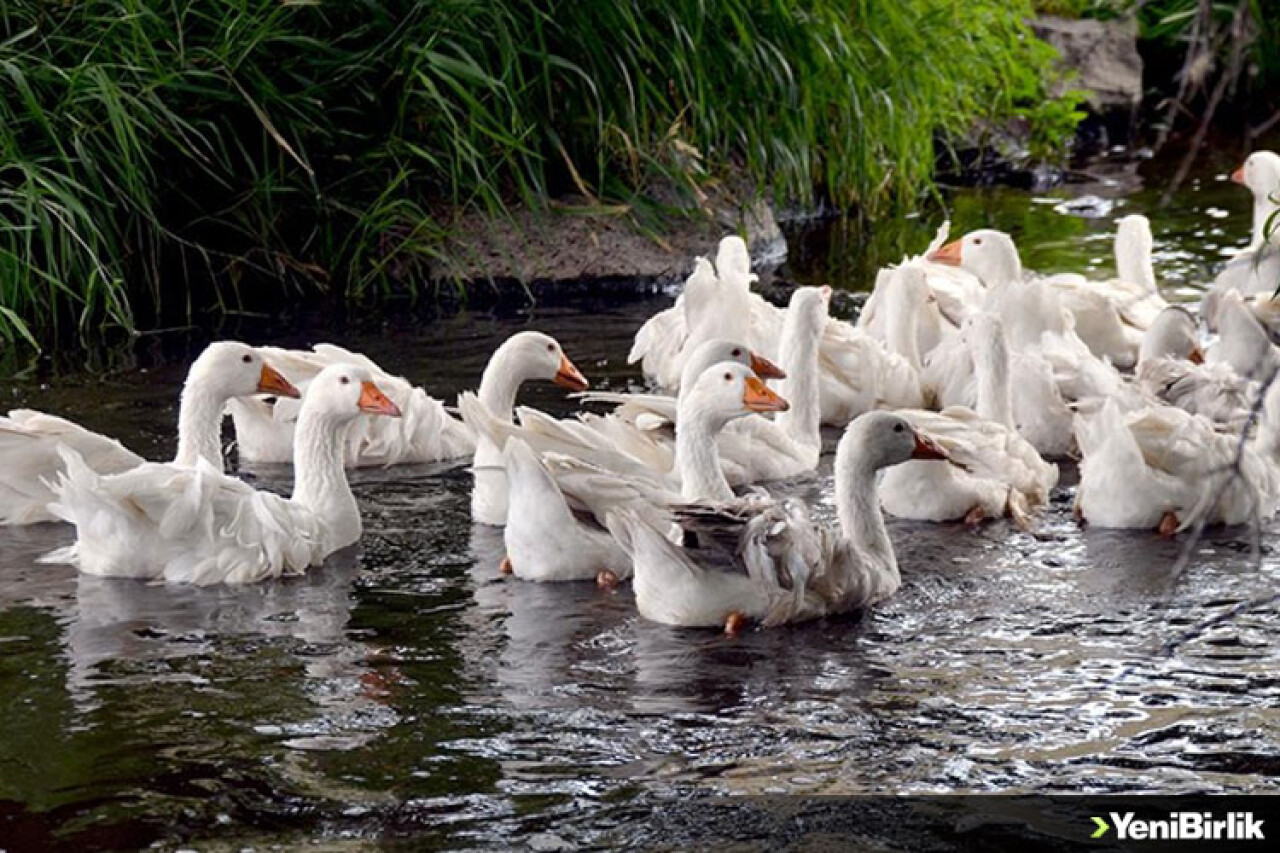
(160,158)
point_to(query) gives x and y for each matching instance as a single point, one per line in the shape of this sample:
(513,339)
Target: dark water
(407,691)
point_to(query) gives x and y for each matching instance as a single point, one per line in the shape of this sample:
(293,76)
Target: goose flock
(963,383)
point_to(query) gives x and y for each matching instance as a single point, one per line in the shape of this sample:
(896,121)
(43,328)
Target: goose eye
(737,353)
(551,347)
(247,359)
(728,377)
(977,241)
(345,380)
(897,427)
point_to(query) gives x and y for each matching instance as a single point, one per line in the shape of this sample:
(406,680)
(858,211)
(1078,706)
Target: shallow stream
(406,690)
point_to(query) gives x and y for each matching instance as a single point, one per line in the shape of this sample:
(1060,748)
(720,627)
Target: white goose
(992,471)
(1243,344)
(1256,269)
(1164,468)
(1134,289)
(857,372)
(638,437)
(555,528)
(755,449)
(666,340)
(1035,320)
(523,356)
(1260,174)
(1171,369)
(1110,316)
(950,378)
(764,561)
(425,432)
(197,525)
(953,295)
(29,440)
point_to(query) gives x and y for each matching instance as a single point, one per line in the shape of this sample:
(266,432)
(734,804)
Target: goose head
(801,337)
(341,392)
(808,306)
(990,255)
(533,355)
(726,391)
(880,439)
(1173,333)
(1260,173)
(733,262)
(230,369)
(717,350)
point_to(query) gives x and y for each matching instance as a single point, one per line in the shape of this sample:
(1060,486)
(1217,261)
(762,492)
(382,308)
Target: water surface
(408,691)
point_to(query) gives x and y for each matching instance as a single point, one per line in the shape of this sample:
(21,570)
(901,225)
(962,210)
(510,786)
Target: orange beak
(758,397)
(272,382)
(927,448)
(948,254)
(1196,356)
(568,376)
(1237,176)
(766,369)
(373,401)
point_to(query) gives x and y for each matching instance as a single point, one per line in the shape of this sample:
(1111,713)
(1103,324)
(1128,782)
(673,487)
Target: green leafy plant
(157,158)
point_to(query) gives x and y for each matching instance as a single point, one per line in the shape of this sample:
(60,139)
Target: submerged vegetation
(157,159)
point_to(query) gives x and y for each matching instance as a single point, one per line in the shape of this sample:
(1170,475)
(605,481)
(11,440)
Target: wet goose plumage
(196,525)
(30,440)
(763,560)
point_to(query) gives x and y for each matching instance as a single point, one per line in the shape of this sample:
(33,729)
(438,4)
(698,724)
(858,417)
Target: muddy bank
(576,247)
(573,247)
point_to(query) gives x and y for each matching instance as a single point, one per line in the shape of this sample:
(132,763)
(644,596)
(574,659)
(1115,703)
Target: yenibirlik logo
(1183,826)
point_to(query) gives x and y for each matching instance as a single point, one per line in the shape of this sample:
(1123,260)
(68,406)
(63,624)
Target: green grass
(159,158)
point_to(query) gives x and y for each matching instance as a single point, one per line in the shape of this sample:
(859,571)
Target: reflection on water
(408,689)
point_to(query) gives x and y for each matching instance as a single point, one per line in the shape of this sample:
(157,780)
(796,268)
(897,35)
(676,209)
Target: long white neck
(991,368)
(798,354)
(901,324)
(499,384)
(1263,207)
(698,460)
(1133,263)
(200,425)
(320,481)
(858,507)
